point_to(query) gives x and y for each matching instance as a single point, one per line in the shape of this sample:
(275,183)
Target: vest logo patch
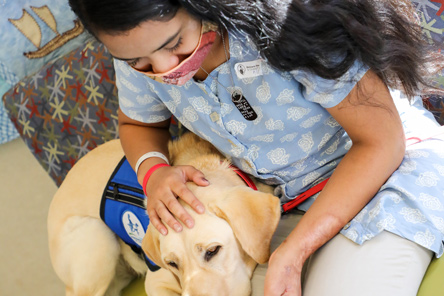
(133,227)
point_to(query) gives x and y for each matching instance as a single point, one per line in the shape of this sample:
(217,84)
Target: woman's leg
(386,265)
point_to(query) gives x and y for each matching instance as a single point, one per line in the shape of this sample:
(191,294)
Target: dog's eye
(173,264)
(211,252)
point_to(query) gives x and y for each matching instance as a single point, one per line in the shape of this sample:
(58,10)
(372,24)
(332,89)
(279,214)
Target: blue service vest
(123,211)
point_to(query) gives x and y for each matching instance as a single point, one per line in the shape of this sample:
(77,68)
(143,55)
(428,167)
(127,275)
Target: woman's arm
(138,138)
(370,118)
(166,183)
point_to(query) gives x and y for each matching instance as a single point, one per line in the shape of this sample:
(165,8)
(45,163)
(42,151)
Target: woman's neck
(216,57)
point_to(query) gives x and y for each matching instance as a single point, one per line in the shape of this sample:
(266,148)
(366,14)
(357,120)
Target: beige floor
(25,193)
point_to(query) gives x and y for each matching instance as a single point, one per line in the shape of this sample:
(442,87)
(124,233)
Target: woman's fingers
(175,208)
(167,215)
(169,210)
(156,222)
(164,210)
(187,196)
(163,206)
(196,176)
(199,179)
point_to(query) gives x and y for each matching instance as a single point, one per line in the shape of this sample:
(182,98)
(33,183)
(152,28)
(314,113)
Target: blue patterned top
(294,142)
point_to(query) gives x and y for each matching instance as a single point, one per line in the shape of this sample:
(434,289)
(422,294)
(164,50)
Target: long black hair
(323,36)
(119,16)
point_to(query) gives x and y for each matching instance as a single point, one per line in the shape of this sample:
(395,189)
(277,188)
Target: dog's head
(218,255)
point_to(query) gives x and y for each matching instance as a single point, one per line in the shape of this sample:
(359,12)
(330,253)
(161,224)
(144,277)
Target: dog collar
(244,177)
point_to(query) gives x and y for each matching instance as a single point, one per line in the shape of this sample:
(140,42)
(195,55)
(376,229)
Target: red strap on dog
(244,177)
(302,197)
(149,173)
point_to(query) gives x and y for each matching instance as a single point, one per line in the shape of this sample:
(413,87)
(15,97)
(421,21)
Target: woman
(284,89)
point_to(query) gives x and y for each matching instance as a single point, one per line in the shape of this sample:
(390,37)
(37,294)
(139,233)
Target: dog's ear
(151,246)
(253,216)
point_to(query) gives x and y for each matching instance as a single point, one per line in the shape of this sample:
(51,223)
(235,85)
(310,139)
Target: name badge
(248,69)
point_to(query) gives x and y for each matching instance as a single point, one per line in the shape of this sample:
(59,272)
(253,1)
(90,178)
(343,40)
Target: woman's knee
(385,265)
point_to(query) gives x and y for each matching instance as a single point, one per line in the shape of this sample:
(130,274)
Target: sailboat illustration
(29,27)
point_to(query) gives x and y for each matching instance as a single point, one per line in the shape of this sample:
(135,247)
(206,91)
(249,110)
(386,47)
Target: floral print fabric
(410,203)
(292,146)
(295,143)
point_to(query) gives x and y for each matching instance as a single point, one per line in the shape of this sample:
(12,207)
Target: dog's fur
(216,257)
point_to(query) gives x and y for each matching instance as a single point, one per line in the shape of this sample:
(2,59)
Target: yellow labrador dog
(216,257)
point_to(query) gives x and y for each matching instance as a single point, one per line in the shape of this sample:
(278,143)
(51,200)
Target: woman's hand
(283,277)
(164,187)
(166,184)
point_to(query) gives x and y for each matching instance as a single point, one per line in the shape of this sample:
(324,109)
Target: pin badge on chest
(248,69)
(242,105)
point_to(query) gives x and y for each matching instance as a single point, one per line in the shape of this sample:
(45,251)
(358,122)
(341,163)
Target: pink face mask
(183,72)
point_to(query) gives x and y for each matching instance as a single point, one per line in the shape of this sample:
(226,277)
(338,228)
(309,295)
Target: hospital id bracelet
(149,155)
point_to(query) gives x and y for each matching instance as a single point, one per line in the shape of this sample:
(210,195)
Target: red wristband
(149,173)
